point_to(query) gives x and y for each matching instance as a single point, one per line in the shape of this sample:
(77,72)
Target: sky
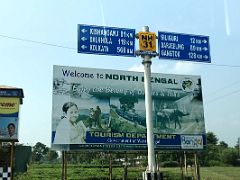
(35,35)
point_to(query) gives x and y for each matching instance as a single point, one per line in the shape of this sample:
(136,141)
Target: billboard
(9,110)
(105,109)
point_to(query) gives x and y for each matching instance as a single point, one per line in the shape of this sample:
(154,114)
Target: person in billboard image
(70,129)
(176,116)
(11,131)
(163,119)
(97,117)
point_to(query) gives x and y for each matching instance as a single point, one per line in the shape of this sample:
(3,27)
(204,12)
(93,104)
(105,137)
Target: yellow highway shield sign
(147,41)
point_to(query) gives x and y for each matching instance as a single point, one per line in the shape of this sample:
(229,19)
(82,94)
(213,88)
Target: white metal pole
(148,104)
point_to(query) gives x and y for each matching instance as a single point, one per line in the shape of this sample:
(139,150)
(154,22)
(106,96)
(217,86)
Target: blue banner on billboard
(162,142)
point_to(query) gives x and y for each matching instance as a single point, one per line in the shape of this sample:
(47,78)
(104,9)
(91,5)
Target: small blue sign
(106,40)
(184,47)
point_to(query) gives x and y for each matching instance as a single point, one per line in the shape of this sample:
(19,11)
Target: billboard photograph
(105,109)
(9,110)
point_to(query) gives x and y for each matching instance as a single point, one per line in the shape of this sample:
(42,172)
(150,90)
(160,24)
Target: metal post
(157,161)
(65,154)
(197,170)
(64,166)
(101,158)
(11,159)
(181,165)
(126,167)
(148,103)
(110,166)
(63,162)
(185,164)
(151,171)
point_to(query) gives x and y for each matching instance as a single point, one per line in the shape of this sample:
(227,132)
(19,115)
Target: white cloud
(136,67)
(183,68)
(165,67)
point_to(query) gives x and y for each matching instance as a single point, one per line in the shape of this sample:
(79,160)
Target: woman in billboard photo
(70,129)
(11,131)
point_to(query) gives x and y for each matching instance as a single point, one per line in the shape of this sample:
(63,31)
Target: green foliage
(84,157)
(223,144)
(117,125)
(214,163)
(77,171)
(127,103)
(229,156)
(217,154)
(211,138)
(51,155)
(211,154)
(39,151)
(220,173)
(170,164)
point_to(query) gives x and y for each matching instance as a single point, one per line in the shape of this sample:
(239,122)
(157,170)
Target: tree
(211,155)
(229,156)
(39,151)
(212,138)
(223,144)
(51,155)
(127,103)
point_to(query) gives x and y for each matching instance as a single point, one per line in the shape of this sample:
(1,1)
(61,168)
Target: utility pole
(239,148)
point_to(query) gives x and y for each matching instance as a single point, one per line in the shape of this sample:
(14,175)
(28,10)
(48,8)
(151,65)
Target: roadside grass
(79,172)
(220,173)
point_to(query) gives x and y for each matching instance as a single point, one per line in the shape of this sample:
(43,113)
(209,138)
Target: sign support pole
(126,167)
(151,171)
(110,166)
(148,103)
(64,165)
(185,164)
(197,170)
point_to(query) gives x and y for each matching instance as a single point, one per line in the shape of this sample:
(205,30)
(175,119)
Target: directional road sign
(183,47)
(106,40)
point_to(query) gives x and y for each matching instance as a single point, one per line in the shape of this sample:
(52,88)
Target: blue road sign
(183,47)
(106,40)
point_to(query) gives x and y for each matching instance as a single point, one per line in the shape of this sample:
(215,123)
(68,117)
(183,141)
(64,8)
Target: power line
(37,42)
(71,48)
(223,96)
(223,88)
(220,90)
(212,64)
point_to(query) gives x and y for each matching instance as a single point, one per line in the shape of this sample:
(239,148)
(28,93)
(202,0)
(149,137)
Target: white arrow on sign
(84,30)
(205,57)
(83,38)
(204,41)
(205,48)
(83,47)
